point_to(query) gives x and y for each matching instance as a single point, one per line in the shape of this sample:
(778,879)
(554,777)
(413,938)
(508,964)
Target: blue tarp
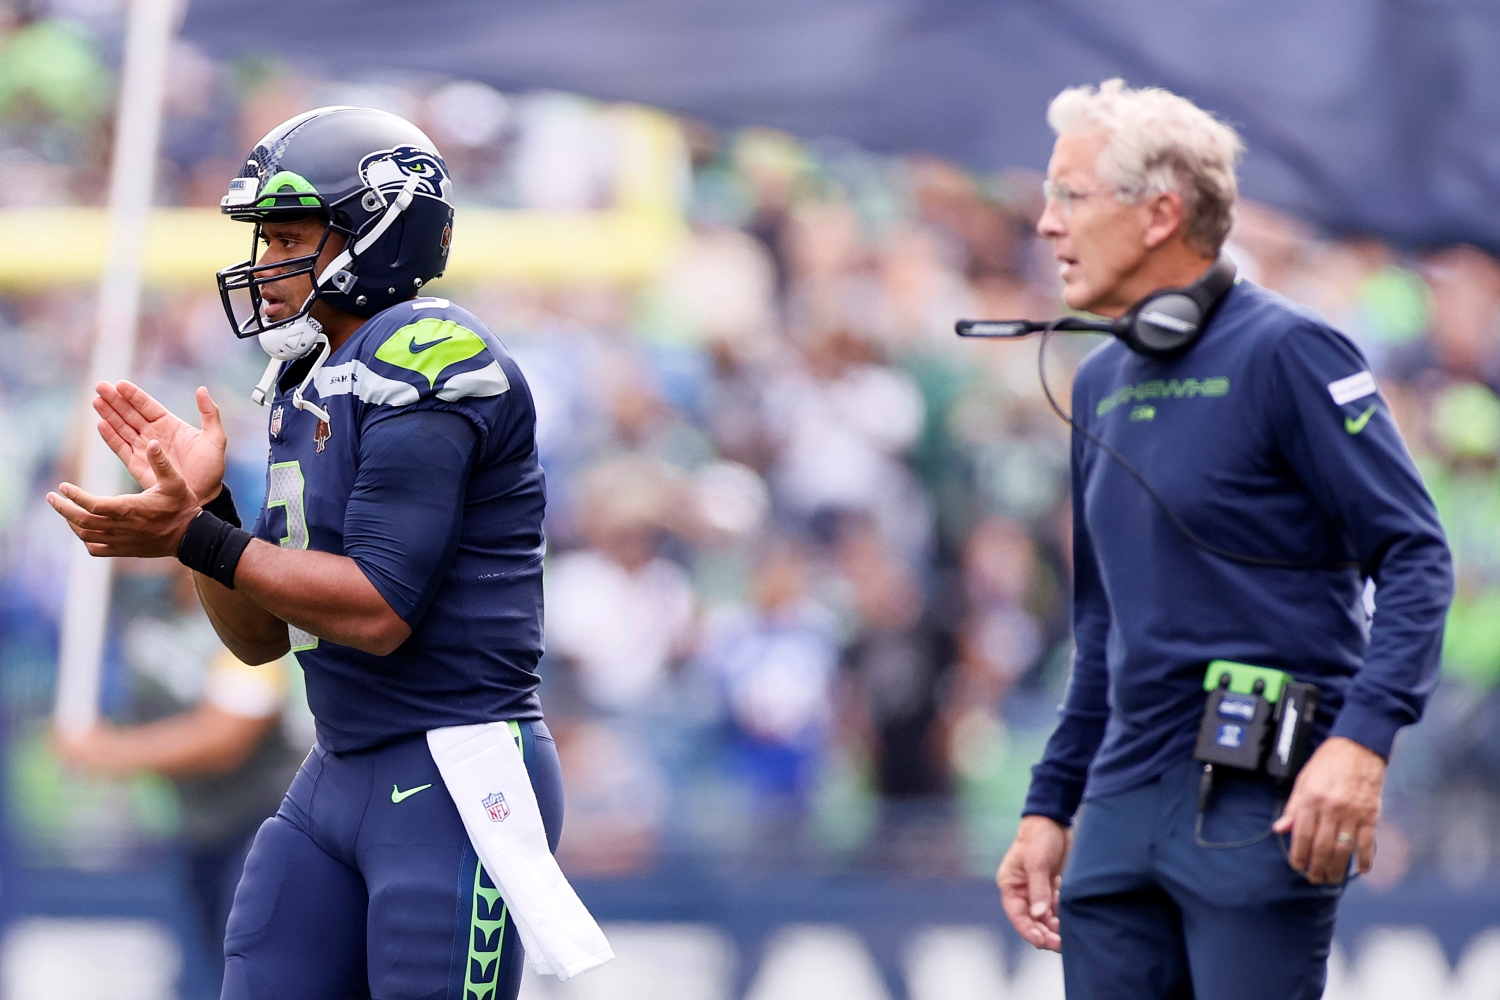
(1377,116)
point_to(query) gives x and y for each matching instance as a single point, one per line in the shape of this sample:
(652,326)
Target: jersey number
(287,490)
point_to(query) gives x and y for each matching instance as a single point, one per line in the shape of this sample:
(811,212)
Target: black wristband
(213,547)
(222,507)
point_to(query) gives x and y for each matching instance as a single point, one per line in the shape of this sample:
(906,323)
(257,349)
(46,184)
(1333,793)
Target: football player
(398,554)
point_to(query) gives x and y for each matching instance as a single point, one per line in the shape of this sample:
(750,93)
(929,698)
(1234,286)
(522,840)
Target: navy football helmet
(377,179)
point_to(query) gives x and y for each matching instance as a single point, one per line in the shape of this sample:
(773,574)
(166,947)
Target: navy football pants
(364,885)
(1148,914)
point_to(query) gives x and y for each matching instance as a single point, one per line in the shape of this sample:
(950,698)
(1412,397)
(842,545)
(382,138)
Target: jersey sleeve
(1058,780)
(405,513)
(437,397)
(1338,436)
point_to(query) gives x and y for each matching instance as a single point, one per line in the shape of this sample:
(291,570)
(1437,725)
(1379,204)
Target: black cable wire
(1226,845)
(1183,529)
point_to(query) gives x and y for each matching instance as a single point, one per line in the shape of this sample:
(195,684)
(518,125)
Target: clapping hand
(151,523)
(132,418)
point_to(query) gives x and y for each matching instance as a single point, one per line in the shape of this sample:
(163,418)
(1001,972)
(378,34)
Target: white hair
(1158,142)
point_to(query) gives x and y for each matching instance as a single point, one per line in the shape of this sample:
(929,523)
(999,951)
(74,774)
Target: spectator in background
(618,613)
(845,420)
(898,665)
(214,726)
(54,92)
(1465,318)
(1003,633)
(618,799)
(620,622)
(1465,485)
(773,663)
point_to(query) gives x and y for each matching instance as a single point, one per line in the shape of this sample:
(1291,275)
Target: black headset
(1162,325)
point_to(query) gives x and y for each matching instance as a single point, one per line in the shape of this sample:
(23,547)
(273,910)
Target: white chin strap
(286,343)
(304,334)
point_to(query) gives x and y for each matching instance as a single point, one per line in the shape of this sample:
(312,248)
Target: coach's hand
(131,418)
(1333,809)
(136,524)
(1029,878)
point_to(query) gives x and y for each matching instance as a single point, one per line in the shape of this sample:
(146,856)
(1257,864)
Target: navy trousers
(364,886)
(1148,913)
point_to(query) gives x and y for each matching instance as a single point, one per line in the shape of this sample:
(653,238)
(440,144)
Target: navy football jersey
(475,607)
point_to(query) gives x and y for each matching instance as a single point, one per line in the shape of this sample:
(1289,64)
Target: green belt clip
(1242,678)
(1255,719)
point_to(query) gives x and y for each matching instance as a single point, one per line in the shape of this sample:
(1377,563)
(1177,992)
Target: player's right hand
(132,419)
(1029,878)
(150,523)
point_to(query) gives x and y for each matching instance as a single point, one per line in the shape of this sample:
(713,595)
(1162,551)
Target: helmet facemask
(240,284)
(286,339)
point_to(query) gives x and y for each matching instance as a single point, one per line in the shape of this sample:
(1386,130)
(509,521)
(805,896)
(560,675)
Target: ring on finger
(1344,839)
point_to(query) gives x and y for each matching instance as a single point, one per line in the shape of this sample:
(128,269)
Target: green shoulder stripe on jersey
(286,182)
(430,345)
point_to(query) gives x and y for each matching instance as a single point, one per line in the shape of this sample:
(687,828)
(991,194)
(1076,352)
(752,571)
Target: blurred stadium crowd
(807,596)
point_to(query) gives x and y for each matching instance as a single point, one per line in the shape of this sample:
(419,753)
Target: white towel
(482,767)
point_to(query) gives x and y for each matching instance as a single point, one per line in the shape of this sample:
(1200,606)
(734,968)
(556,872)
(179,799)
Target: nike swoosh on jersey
(1356,424)
(398,796)
(417,348)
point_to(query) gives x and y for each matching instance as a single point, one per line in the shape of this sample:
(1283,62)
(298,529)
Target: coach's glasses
(1066,197)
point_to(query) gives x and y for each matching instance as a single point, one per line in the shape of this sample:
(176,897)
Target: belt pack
(1256,719)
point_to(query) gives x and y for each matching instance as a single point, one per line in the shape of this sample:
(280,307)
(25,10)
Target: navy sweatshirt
(1268,438)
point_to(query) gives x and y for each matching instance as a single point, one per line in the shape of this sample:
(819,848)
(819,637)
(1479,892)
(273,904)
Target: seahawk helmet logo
(387,171)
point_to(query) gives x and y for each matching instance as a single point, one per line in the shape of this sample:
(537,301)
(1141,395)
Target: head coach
(1233,489)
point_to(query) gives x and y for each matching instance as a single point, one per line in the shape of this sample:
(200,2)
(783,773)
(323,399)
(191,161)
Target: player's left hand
(1333,809)
(130,418)
(150,523)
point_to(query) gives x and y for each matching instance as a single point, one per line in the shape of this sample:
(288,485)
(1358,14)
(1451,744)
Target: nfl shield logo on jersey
(496,807)
(276,422)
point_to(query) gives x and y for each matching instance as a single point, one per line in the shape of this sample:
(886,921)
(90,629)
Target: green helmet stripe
(287,182)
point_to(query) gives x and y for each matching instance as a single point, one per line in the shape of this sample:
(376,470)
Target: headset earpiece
(1162,325)
(1166,323)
